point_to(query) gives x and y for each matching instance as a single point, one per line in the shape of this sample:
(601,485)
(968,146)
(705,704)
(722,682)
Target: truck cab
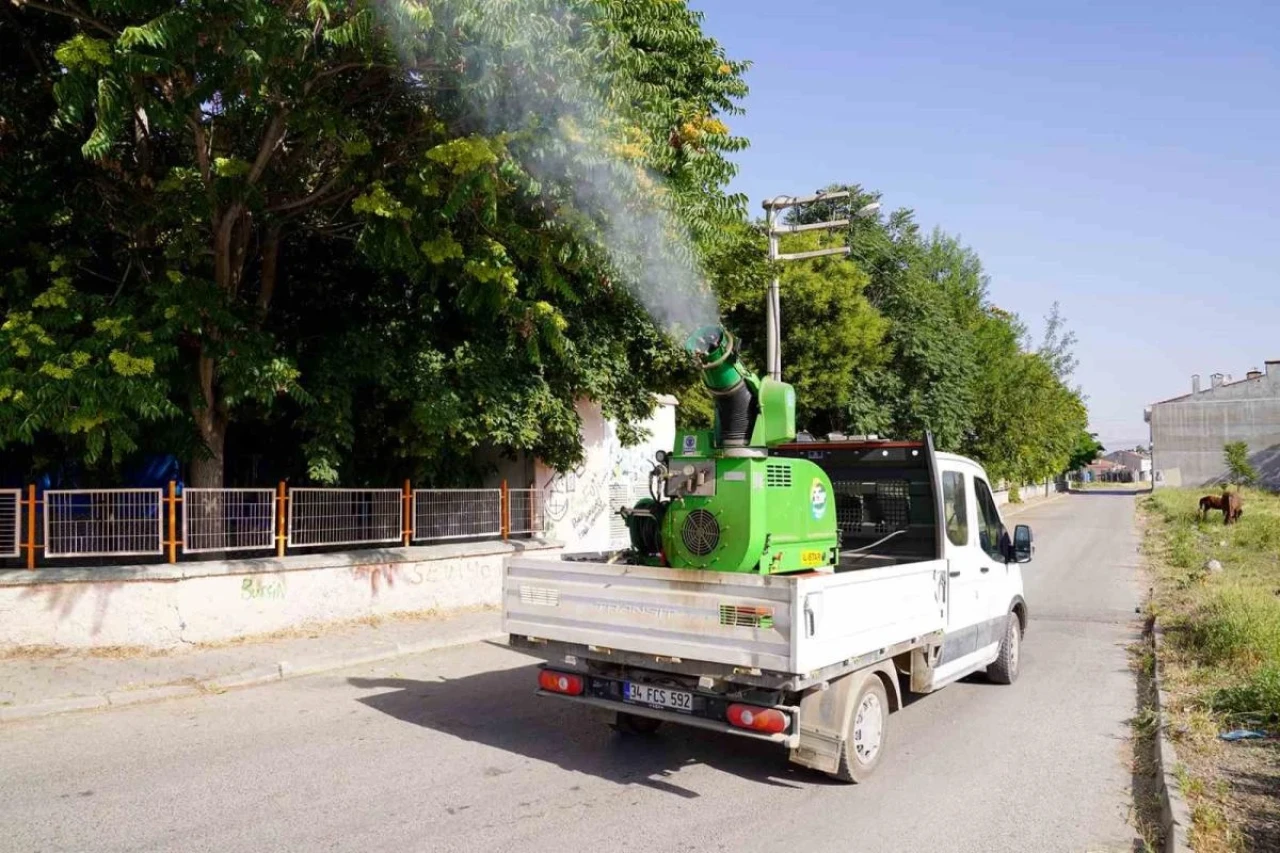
(901,502)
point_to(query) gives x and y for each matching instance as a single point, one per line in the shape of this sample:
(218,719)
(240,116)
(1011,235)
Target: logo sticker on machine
(811,558)
(690,445)
(818,499)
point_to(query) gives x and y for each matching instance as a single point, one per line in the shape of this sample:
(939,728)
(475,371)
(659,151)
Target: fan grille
(700,533)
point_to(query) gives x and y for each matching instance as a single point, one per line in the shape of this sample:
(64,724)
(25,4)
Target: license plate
(658,697)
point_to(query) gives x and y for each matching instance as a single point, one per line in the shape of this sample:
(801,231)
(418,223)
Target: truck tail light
(561,682)
(768,720)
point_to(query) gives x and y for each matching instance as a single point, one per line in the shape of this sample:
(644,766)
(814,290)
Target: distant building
(1189,432)
(1104,470)
(1136,462)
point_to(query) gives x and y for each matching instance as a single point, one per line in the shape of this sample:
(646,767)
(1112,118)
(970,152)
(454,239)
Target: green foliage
(1257,699)
(928,350)
(367,239)
(1239,470)
(1236,626)
(1087,449)
(355,228)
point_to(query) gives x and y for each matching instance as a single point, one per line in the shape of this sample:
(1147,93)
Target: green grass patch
(1227,622)
(1222,631)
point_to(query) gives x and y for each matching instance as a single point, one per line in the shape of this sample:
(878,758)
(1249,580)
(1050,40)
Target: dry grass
(1221,661)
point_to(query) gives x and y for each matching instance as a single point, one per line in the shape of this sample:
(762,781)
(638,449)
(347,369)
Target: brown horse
(1230,503)
(1232,508)
(1209,502)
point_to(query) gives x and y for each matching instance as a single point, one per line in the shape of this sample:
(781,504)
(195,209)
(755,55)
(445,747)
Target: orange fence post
(408,513)
(280,531)
(505,512)
(31,526)
(173,522)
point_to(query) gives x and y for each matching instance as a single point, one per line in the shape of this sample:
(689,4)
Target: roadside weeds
(1216,595)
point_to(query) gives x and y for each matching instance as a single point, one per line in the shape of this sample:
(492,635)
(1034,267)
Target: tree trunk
(211,421)
(270,263)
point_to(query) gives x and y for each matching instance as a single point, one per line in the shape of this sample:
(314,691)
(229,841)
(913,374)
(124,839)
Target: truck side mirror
(1022,548)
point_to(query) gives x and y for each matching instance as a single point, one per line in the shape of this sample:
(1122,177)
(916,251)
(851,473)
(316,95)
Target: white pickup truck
(928,589)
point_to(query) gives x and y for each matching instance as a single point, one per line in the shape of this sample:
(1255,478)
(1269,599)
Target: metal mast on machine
(773,309)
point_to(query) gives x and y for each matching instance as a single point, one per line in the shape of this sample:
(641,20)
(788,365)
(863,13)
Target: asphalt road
(451,752)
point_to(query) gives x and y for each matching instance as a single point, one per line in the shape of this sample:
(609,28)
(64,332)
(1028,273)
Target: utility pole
(773,305)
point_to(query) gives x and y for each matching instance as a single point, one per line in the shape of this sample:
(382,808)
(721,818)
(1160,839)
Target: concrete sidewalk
(40,684)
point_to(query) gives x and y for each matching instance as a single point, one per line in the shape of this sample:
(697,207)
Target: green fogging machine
(719,501)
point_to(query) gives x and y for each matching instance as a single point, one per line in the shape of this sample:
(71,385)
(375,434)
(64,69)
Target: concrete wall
(166,606)
(1188,433)
(1039,490)
(582,504)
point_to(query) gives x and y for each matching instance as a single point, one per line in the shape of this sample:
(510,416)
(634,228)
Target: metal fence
(456,513)
(228,520)
(10,522)
(112,523)
(526,511)
(345,516)
(103,523)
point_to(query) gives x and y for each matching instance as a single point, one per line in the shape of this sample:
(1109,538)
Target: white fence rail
(344,516)
(456,513)
(228,520)
(527,509)
(10,522)
(103,523)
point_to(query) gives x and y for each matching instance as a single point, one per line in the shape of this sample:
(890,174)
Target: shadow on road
(499,709)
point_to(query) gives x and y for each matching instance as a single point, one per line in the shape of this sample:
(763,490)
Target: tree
(1240,472)
(358,229)
(1087,449)
(831,333)
(954,363)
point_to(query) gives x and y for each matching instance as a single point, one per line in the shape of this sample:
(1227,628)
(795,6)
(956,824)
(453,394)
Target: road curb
(1175,815)
(146,695)
(253,677)
(49,707)
(1023,506)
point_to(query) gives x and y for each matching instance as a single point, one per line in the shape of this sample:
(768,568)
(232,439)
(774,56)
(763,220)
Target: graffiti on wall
(581,504)
(383,577)
(257,588)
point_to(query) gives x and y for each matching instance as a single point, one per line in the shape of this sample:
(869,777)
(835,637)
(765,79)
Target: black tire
(634,724)
(856,765)
(1005,668)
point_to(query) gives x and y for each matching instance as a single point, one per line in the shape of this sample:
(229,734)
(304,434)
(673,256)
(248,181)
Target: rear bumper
(787,740)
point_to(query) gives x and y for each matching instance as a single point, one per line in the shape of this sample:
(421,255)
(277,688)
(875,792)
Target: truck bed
(786,624)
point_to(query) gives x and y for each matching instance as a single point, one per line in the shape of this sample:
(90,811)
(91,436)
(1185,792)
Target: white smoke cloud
(525,54)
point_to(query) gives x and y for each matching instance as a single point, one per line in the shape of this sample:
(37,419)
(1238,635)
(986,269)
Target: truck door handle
(985,569)
(953,574)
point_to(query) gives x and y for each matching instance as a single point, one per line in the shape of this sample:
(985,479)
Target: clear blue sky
(1120,158)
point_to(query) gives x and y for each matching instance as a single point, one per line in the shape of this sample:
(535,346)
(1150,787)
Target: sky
(1119,158)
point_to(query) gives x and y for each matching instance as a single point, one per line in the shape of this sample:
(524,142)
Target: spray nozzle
(707,341)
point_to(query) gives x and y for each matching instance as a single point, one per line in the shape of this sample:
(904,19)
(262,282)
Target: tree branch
(275,132)
(337,69)
(202,149)
(314,197)
(72,13)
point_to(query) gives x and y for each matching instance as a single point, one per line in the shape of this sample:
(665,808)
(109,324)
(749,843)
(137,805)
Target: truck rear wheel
(634,724)
(864,742)
(1005,668)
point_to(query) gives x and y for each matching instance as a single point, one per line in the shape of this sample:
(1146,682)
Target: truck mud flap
(823,720)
